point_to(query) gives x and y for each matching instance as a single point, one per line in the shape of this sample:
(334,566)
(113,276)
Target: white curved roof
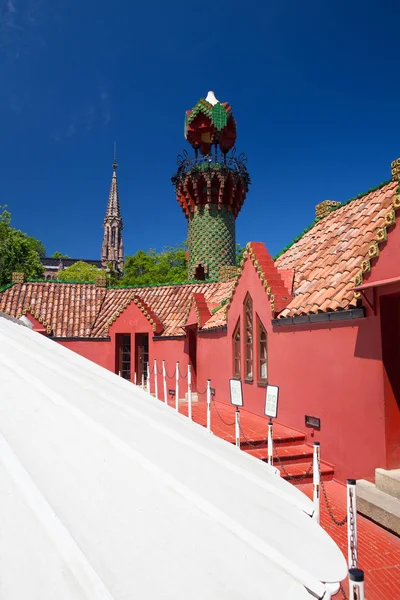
(106,493)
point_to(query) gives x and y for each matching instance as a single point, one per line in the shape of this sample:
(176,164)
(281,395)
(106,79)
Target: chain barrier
(219,414)
(160,372)
(341,589)
(196,391)
(249,442)
(282,466)
(180,374)
(170,376)
(329,508)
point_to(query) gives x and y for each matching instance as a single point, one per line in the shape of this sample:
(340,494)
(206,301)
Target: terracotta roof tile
(329,256)
(84,310)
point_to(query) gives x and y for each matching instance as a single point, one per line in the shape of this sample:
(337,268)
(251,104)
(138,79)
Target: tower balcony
(217,179)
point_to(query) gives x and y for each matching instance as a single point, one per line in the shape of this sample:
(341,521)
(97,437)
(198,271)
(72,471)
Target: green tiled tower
(211,188)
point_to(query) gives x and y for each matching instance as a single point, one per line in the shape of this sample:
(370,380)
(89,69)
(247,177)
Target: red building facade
(321,321)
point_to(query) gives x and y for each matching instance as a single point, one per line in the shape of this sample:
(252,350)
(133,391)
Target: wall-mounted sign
(271,401)
(236,392)
(314,422)
(212,390)
(171,392)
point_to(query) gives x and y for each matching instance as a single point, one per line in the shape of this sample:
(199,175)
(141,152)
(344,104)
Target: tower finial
(115,156)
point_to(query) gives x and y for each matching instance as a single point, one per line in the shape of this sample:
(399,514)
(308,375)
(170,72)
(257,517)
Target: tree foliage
(59,254)
(145,268)
(19,252)
(80,271)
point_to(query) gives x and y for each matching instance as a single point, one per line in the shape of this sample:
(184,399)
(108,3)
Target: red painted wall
(331,371)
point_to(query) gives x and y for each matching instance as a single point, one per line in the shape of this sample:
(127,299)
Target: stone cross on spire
(112,255)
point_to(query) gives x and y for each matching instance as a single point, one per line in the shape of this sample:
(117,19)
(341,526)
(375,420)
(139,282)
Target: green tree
(59,254)
(239,254)
(145,268)
(18,251)
(80,271)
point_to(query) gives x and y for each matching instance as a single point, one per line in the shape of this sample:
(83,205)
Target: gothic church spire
(112,254)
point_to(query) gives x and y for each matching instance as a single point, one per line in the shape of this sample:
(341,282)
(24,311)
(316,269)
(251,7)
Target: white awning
(106,493)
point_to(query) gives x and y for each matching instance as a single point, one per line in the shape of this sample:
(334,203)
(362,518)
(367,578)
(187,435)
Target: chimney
(18,277)
(101,281)
(324,208)
(396,170)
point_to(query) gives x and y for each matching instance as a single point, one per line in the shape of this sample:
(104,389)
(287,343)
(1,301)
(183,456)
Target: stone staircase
(380,501)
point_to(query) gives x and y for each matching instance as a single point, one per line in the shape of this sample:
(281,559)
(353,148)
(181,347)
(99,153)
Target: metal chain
(252,444)
(329,509)
(180,374)
(341,589)
(282,466)
(219,414)
(170,376)
(196,391)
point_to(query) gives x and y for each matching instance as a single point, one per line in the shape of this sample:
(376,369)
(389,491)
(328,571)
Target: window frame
(261,329)
(237,345)
(248,346)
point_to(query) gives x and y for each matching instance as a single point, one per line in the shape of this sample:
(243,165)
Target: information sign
(271,401)
(236,392)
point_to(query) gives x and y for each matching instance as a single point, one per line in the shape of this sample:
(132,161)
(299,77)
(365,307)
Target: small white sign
(271,401)
(236,392)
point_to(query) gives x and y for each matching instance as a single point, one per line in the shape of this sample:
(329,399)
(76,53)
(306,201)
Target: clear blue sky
(314,87)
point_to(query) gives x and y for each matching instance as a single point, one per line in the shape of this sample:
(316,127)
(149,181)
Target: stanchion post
(155,379)
(164,374)
(270,444)
(352,524)
(177,387)
(148,378)
(209,405)
(189,378)
(134,378)
(316,482)
(237,427)
(143,381)
(356,584)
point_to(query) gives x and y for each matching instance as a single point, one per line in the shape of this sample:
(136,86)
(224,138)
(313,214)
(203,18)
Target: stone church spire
(113,249)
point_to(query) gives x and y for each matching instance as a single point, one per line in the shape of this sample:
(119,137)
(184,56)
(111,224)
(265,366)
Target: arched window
(113,237)
(262,353)
(248,324)
(236,351)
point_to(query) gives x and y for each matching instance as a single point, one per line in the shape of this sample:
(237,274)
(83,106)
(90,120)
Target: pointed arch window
(262,352)
(248,341)
(236,351)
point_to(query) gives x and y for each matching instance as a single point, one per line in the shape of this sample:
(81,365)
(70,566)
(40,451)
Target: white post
(119,373)
(270,444)
(164,374)
(237,427)
(177,387)
(189,378)
(352,548)
(356,584)
(134,378)
(148,378)
(155,379)
(142,380)
(316,482)
(209,405)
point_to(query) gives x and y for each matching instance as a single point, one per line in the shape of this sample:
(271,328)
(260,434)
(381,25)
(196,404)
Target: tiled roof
(84,310)
(330,258)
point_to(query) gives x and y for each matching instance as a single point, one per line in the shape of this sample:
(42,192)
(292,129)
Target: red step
(299,453)
(298,472)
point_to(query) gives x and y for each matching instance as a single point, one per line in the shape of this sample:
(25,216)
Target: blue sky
(314,87)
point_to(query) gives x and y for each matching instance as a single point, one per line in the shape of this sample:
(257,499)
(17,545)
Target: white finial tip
(211,98)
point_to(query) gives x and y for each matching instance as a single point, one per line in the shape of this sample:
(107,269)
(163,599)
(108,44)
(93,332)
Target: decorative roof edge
(380,238)
(333,209)
(123,287)
(154,321)
(250,254)
(36,315)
